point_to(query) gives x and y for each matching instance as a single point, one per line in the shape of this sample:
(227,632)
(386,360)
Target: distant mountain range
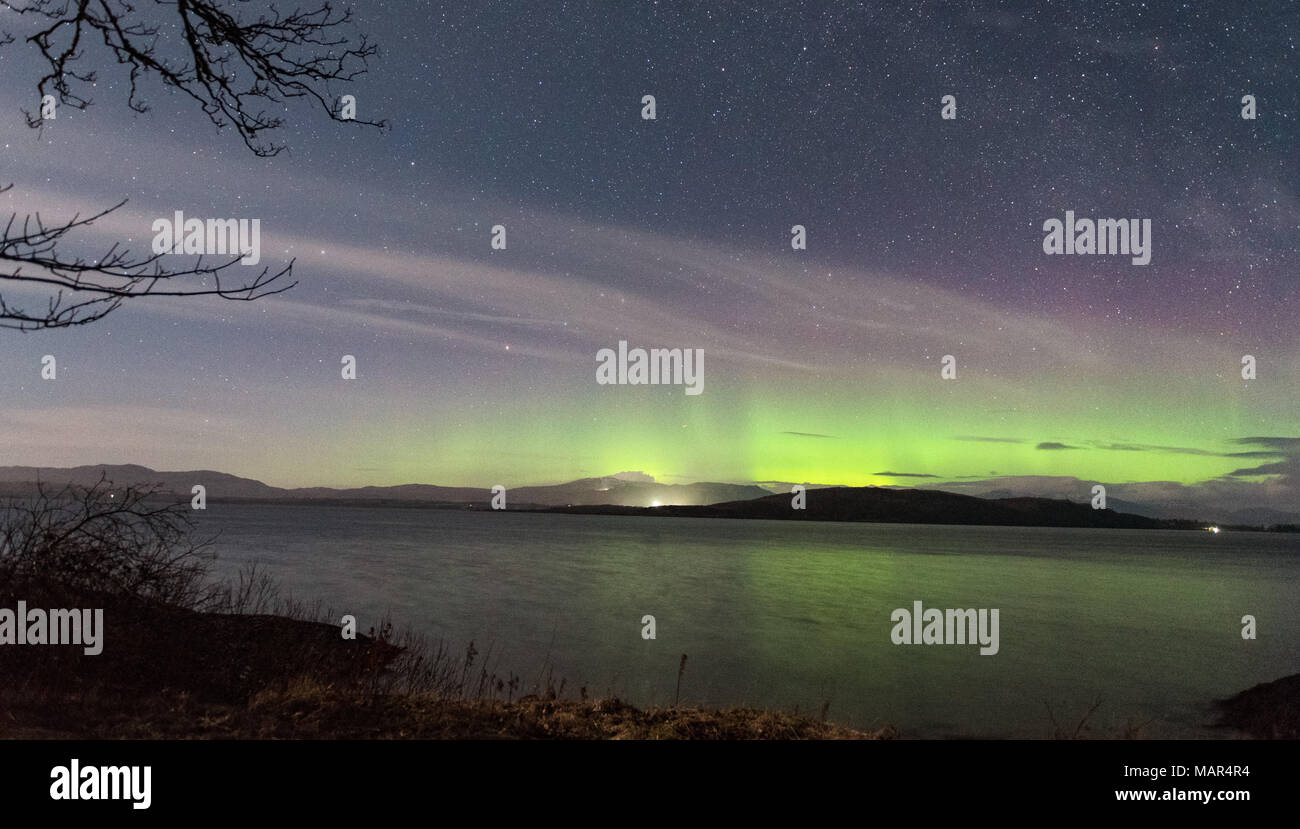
(221,486)
(635,494)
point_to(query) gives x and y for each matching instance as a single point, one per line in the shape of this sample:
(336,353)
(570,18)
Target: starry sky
(924,238)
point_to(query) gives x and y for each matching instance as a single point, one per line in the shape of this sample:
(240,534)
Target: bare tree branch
(233,66)
(229,66)
(97,287)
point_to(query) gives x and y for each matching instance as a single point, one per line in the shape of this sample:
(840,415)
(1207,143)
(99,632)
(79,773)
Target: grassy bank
(173,673)
(309,711)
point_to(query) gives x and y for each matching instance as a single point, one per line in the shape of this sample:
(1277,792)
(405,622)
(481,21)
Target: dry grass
(307,709)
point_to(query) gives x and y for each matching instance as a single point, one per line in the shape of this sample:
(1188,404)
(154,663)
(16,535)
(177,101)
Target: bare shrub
(127,542)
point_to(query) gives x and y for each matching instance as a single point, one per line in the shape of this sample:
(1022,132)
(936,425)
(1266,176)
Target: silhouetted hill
(907,506)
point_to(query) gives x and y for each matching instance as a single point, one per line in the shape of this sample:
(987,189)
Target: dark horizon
(634,490)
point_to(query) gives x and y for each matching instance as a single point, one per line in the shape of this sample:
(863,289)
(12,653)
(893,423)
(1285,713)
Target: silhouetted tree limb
(232,65)
(98,286)
(228,65)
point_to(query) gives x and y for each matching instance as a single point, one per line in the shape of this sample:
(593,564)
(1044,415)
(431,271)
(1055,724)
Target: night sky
(924,239)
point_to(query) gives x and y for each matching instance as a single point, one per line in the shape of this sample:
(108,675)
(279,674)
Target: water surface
(797,614)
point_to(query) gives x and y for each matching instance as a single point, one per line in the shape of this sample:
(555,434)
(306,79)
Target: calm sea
(796,615)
